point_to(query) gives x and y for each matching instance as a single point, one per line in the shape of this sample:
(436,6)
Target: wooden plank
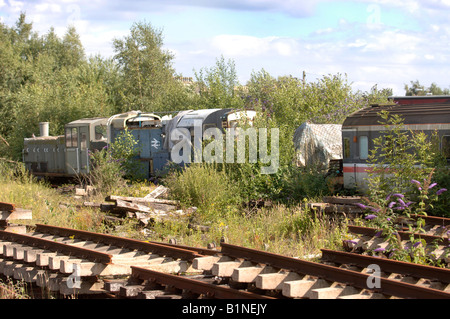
(158,191)
(132,206)
(142,200)
(344,200)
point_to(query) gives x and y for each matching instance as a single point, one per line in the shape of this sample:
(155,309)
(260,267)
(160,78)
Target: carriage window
(83,143)
(71,137)
(445,146)
(100,132)
(363,147)
(346,147)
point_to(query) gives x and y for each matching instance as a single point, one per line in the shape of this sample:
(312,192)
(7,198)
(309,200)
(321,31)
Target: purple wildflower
(361,205)
(370,216)
(402,202)
(439,192)
(432,185)
(378,234)
(375,210)
(398,195)
(391,204)
(379,249)
(416,182)
(417,244)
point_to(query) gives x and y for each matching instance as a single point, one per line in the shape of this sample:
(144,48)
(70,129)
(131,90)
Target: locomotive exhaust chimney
(43,128)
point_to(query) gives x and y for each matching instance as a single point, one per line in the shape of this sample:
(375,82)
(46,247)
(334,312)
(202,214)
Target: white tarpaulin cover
(317,144)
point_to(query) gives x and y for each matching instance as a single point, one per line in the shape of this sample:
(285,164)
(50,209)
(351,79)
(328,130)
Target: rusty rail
(433,220)
(369,231)
(150,247)
(57,246)
(194,286)
(331,273)
(388,265)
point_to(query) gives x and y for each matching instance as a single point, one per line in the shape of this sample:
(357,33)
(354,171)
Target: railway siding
(74,262)
(54,257)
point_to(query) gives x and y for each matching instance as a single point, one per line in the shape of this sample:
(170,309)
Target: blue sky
(387,43)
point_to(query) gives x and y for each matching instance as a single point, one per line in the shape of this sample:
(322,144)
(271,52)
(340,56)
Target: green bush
(106,172)
(203,186)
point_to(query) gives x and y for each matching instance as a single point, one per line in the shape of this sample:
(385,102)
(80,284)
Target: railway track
(435,237)
(71,262)
(257,274)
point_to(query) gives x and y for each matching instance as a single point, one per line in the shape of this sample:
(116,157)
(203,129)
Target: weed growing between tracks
(290,231)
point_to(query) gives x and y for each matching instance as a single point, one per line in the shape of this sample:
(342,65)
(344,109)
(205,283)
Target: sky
(381,42)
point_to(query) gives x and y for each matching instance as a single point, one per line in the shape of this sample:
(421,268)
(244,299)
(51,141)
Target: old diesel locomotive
(427,114)
(68,155)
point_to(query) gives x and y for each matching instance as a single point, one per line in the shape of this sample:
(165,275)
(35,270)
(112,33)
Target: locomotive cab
(68,154)
(82,136)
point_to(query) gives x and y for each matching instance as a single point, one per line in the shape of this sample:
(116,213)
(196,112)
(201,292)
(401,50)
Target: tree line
(49,78)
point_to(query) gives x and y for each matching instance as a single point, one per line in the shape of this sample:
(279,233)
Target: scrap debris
(145,209)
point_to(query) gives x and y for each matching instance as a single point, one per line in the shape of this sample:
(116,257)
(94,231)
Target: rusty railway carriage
(68,155)
(360,128)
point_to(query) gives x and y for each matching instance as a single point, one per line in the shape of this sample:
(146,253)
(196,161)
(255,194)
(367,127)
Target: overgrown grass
(49,205)
(13,290)
(206,188)
(291,230)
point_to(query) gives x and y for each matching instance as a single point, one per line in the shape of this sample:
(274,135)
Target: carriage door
(72,151)
(83,149)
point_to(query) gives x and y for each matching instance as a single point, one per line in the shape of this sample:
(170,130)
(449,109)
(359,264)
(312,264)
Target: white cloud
(369,53)
(250,46)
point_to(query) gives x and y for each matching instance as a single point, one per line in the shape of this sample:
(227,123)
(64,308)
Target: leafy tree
(146,68)
(435,90)
(398,157)
(218,86)
(417,89)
